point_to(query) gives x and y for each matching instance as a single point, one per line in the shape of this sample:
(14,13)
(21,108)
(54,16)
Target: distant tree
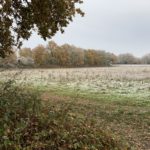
(40,55)
(102,58)
(25,52)
(145,59)
(67,51)
(89,57)
(111,58)
(79,60)
(18,18)
(127,59)
(51,45)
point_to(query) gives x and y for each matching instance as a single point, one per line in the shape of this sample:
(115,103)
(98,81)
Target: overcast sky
(117,26)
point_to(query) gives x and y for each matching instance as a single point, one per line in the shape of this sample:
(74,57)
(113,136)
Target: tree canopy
(19,18)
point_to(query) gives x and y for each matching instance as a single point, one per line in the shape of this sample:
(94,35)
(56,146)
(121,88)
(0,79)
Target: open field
(118,97)
(127,81)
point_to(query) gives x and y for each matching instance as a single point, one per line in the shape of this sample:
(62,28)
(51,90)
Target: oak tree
(19,18)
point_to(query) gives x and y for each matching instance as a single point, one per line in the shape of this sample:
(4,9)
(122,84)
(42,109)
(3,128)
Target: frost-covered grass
(125,81)
(117,97)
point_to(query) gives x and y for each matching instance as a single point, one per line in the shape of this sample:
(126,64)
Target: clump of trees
(71,56)
(65,55)
(53,55)
(130,59)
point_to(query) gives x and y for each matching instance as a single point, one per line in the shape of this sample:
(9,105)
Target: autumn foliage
(67,55)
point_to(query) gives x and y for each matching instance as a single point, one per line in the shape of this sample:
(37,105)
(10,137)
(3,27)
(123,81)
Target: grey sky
(117,26)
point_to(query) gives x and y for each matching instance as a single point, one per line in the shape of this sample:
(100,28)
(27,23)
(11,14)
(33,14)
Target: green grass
(126,117)
(28,122)
(120,99)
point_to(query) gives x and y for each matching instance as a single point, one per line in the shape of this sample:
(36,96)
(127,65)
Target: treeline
(54,55)
(67,55)
(130,59)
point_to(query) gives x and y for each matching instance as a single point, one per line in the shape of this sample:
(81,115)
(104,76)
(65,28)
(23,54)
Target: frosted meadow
(131,81)
(117,97)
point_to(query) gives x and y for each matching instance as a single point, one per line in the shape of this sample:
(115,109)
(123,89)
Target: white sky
(117,26)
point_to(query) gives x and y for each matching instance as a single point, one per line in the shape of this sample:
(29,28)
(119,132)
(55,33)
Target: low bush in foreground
(27,124)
